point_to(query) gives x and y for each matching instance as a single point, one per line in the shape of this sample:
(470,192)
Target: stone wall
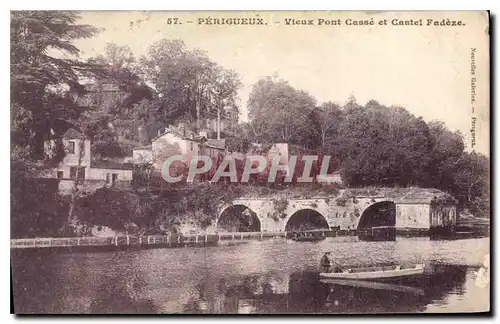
(443,216)
(412,216)
(346,214)
(338,212)
(415,208)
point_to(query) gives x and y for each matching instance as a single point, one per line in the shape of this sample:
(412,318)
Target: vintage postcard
(273,162)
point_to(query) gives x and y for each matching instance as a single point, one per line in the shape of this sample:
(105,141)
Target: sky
(424,69)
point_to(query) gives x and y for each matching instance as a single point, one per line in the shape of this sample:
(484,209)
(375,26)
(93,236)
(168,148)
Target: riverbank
(126,242)
(135,242)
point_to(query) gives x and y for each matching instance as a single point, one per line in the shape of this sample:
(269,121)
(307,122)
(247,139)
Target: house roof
(212,143)
(405,195)
(145,147)
(111,165)
(175,132)
(71,133)
(215,143)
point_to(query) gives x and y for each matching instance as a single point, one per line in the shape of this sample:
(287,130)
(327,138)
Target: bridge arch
(382,213)
(238,218)
(306,219)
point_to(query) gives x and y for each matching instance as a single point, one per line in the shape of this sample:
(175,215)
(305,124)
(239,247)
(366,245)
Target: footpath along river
(270,276)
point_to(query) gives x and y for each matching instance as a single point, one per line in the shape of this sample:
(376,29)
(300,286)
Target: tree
(223,96)
(117,94)
(447,153)
(471,180)
(43,89)
(36,75)
(189,85)
(239,138)
(327,117)
(90,126)
(384,146)
(110,207)
(280,113)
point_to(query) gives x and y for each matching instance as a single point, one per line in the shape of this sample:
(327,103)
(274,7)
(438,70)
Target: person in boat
(328,264)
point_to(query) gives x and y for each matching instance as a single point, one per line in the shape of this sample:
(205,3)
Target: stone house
(178,140)
(142,154)
(426,212)
(77,162)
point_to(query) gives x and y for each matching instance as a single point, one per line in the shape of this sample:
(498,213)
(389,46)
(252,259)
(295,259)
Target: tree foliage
(280,113)
(371,144)
(189,84)
(41,83)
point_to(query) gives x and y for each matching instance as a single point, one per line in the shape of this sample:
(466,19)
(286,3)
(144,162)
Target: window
(108,178)
(114,178)
(71,148)
(72,173)
(60,174)
(81,173)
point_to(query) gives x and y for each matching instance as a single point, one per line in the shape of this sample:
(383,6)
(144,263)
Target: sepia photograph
(250,162)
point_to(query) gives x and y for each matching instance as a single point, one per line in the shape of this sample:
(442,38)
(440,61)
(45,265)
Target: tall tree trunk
(76,185)
(218,124)
(197,113)
(198,107)
(71,208)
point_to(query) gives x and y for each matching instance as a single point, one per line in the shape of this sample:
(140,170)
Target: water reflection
(272,276)
(120,295)
(306,293)
(404,295)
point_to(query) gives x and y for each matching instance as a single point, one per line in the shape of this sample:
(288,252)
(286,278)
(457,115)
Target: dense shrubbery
(164,212)
(37,209)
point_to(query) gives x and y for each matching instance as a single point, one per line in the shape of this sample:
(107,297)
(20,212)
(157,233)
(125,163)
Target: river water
(270,276)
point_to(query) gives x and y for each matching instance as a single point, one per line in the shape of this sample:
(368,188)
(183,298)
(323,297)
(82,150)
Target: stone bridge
(412,208)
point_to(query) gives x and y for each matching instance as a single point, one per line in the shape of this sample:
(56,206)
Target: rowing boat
(374,285)
(370,273)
